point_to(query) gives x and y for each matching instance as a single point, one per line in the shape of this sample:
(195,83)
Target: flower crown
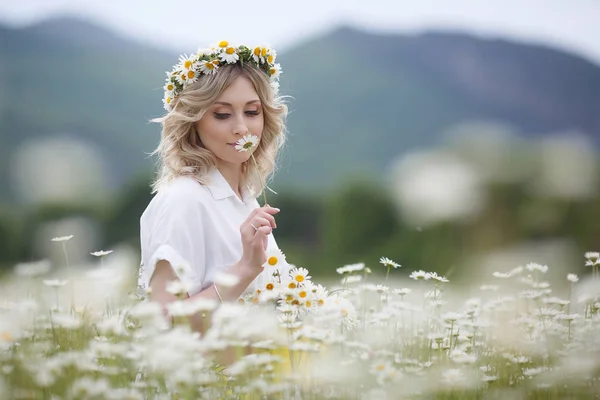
(208,61)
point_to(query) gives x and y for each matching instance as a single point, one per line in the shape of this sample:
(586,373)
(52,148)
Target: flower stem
(262,185)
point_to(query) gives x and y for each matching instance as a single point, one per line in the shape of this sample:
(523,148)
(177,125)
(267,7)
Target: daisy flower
(257,55)
(229,55)
(191,75)
(274,258)
(299,274)
(420,275)
(275,71)
(208,67)
(101,253)
(62,238)
(389,264)
(271,55)
(169,87)
(181,77)
(187,62)
(246,143)
(592,256)
(319,293)
(167,100)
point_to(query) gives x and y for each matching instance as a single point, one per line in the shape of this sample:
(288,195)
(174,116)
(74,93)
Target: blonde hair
(180,151)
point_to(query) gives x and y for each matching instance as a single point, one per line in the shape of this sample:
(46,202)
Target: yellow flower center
(224,43)
(321,302)
(257,51)
(299,278)
(183,77)
(187,64)
(230,50)
(344,312)
(270,286)
(289,297)
(272,260)
(380,367)
(241,301)
(272,71)
(270,58)
(258,291)
(264,51)
(215,62)
(6,336)
(209,65)
(295,303)
(168,100)
(302,294)
(308,303)
(255,300)
(170,86)
(191,74)
(291,285)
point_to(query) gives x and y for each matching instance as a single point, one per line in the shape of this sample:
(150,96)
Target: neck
(232,174)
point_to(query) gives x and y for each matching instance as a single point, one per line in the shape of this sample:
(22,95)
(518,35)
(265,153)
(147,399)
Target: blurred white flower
(420,275)
(66,321)
(572,278)
(33,269)
(55,282)
(101,253)
(62,238)
(225,279)
(112,325)
(347,269)
(536,267)
(178,287)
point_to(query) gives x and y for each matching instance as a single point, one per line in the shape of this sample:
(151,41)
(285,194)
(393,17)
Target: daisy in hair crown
(207,62)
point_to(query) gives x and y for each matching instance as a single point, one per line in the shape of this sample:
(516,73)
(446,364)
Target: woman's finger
(268,217)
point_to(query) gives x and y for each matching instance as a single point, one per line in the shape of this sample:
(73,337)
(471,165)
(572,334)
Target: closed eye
(221,115)
(253,112)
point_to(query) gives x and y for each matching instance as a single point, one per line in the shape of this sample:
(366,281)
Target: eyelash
(225,115)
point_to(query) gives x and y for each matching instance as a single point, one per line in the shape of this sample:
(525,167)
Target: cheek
(209,130)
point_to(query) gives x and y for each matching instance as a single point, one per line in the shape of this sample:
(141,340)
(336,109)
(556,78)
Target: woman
(205,218)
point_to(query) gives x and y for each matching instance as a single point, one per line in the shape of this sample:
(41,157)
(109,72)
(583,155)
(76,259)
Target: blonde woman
(204,218)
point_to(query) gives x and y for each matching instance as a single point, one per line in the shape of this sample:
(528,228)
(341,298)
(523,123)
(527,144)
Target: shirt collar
(220,188)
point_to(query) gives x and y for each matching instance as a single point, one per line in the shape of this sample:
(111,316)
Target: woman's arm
(164,274)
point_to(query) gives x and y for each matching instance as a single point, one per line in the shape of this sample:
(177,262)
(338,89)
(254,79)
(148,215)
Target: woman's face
(235,113)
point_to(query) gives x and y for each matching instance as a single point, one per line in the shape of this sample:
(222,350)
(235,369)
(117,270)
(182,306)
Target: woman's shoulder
(181,192)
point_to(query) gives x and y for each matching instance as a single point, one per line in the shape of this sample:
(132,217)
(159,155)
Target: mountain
(358,99)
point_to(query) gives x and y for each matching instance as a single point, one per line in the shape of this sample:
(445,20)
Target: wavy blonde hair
(180,151)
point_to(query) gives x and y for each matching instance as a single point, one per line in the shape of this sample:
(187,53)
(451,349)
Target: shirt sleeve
(174,232)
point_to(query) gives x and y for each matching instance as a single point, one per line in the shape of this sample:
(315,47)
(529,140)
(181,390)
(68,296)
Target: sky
(186,25)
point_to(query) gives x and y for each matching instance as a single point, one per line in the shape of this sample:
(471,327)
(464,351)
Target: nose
(240,127)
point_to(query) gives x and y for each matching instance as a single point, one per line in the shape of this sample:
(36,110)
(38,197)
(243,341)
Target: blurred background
(458,137)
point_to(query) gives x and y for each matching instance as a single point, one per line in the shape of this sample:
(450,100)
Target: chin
(239,158)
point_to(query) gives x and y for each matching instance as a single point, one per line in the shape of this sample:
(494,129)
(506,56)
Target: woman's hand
(255,230)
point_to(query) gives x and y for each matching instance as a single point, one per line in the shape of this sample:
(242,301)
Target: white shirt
(196,228)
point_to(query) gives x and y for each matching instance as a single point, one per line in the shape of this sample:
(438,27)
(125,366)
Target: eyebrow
(229,104)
